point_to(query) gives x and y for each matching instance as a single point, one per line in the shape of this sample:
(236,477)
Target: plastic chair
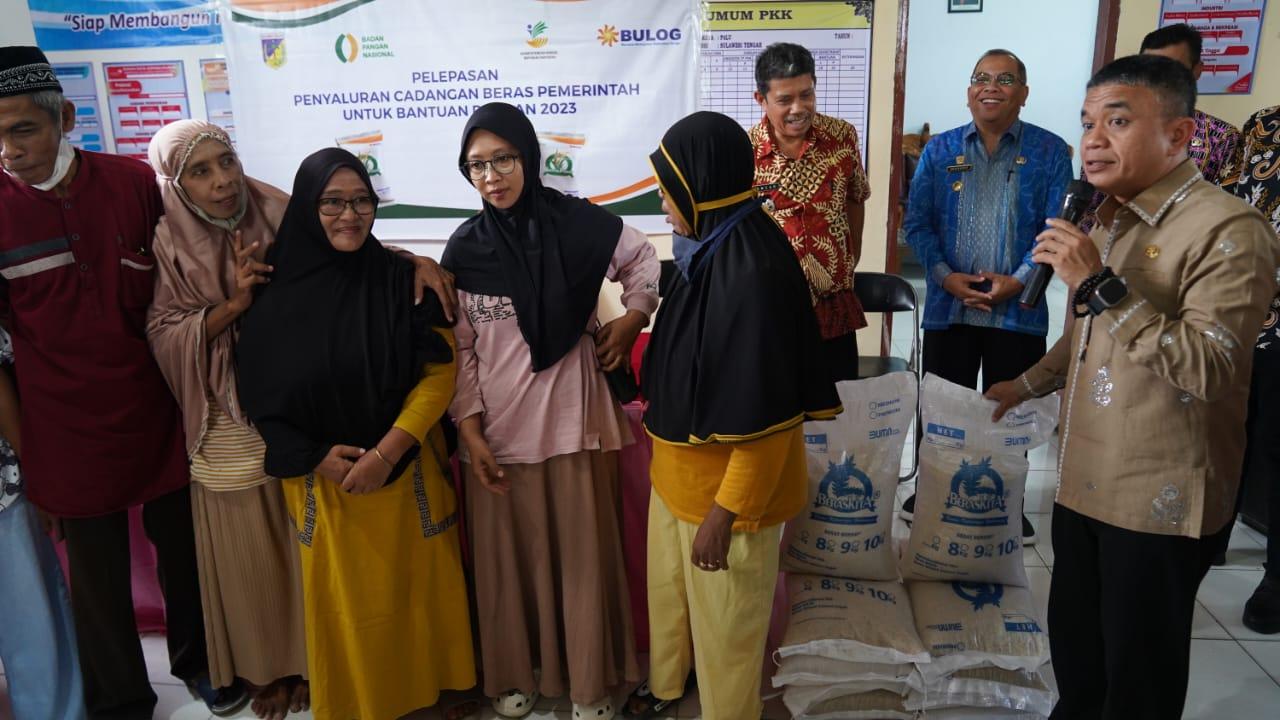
(885,293)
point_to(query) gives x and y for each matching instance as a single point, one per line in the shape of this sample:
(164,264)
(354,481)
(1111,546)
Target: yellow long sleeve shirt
(763,481)
(427,401)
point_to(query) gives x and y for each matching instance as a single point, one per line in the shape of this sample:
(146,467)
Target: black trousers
(115,674)
(1120,609)
(1262,452)
(842,356)
(955,354)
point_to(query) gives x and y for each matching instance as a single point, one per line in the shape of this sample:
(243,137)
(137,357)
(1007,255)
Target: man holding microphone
(1171,287)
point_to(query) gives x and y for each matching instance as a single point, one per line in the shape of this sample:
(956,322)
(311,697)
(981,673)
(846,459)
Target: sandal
(514,704)
(602,710)
(650,705)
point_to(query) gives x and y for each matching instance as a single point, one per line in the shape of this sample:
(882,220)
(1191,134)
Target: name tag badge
(768,188)
(960,165)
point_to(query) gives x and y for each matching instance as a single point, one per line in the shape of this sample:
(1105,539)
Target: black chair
(884,293)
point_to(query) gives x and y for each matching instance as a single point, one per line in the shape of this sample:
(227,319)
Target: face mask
(684,248)
(62,165)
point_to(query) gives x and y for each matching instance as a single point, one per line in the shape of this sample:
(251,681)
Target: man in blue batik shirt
(980,195)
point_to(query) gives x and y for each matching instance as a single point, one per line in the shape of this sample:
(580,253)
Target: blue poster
(78,87)
(96,24)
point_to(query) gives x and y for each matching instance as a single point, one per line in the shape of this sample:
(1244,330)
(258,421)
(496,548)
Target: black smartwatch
(1109,292)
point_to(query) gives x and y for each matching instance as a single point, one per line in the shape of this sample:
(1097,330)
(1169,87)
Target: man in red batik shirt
(807,165)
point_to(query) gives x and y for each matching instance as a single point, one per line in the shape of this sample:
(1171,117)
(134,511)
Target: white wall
(15,29)
(1139,17)
(1054,38)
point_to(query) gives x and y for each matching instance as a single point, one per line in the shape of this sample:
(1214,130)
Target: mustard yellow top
(426,402)
(763,481)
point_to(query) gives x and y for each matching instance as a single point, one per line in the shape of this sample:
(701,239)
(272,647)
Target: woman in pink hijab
(209,248)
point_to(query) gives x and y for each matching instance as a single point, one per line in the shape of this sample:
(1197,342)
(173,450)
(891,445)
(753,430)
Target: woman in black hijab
(346,380)
(735,365)
(539,429)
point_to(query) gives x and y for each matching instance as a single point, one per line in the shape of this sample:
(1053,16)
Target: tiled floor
(1235,673)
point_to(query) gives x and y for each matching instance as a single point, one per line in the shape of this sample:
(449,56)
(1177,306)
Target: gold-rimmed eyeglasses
(501,164)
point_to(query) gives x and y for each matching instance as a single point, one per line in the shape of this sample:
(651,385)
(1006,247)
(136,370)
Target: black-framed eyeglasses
(1003,79)
(501,164)
(333,207)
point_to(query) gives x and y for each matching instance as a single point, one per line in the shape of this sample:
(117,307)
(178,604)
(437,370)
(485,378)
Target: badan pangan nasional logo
(537,34)
(347,48)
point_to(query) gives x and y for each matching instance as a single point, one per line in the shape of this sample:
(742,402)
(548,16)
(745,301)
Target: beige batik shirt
(1152,427)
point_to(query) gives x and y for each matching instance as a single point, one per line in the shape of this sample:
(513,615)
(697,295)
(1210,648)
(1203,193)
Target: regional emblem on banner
(273,52)
(559,164)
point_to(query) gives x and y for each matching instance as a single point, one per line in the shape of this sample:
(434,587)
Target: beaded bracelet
(1086,289)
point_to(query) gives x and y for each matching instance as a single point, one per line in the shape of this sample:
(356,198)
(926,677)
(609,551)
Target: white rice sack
(875,705)
(959,418)
(560,154)
(969,494)
(987,688)
(970,625)
(968,523)
(812,671)
(854,460)
(799,698)
(852,620)
(980,714)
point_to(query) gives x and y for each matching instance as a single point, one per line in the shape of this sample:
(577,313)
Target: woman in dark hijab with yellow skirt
(734,367)
(347,380)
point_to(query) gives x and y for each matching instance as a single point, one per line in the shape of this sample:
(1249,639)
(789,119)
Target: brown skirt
(250,584)
(550,580)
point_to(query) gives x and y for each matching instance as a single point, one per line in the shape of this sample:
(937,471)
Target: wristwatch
(1110,291)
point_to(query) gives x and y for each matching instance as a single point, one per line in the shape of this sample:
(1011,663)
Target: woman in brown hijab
(209,247)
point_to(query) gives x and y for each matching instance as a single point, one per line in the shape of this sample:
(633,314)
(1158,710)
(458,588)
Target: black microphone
(1074,203)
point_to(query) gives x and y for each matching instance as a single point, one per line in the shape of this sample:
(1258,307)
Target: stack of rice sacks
(851,647)
(963,563)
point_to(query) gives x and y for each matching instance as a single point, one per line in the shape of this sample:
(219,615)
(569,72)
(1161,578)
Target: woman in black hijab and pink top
(539,428)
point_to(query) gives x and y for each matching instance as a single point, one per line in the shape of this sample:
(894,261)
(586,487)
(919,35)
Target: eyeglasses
(1003,79)
(501,164)
(333,207)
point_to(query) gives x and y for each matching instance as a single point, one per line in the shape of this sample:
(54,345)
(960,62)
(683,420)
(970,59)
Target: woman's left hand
(710,551)
(369,473)
(615,340)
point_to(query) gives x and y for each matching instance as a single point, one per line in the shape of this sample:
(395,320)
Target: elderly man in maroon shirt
(101,431)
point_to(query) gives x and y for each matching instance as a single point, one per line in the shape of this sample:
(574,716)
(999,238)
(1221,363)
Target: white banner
(396,80)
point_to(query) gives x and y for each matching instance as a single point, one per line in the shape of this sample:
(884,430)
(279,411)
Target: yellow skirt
(385,600)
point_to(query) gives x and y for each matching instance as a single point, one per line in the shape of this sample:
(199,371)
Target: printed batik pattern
(1259,185)
(809,196)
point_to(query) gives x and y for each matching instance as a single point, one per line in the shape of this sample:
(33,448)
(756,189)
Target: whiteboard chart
(839,37)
